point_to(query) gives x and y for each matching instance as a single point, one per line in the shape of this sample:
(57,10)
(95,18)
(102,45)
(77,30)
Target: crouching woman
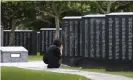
(53,54)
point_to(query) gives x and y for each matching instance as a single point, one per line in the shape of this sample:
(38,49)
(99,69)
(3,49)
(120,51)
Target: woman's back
(52,56)
(53,51)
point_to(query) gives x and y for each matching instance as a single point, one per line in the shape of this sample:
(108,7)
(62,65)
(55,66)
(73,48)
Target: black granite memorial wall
(25,38)
(47,35)
(93,40)
(101,39)
(119,38)
(71,39)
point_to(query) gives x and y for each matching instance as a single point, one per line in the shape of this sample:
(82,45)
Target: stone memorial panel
(119,38)
(94,26)
(65,31)
(71,35)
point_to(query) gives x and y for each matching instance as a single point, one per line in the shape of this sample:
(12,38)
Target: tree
(54,9)
(111,6)
(80,6)
(125,6)
(16,13)
(101,6)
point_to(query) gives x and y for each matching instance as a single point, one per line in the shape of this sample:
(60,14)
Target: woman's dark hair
(57,42)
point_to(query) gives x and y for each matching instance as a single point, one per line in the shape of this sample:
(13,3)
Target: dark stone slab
(94,36)
(119,36)
(71,36)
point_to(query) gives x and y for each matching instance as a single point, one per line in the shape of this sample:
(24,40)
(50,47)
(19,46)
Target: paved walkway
(39,65)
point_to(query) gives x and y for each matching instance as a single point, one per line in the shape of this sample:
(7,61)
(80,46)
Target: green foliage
(28,12)
(111,6)
(81,6)
(19,11)
(125,6)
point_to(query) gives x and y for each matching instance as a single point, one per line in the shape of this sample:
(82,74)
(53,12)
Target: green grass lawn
(35,58)
(123,73)
(13,73)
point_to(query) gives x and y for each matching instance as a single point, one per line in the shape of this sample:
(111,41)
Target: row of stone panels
(99,36)
(25,38)
(33,41)
(47,36)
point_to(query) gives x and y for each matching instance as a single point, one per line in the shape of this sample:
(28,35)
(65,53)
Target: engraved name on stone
(76,38)
(110,38)
(50,37)
(97,38)
(92,40)
(123,39)
(86,38)
(71,38)
(117,38)
(130,38)
(66,37)
(28,37)
(46,39)
(42,40)
(24,38)
(17,38)
(21,38)
(81,32)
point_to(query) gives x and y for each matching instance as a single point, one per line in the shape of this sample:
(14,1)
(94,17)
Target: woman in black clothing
(53,54)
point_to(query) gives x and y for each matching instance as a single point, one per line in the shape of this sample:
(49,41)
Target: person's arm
(57,52)
(61,49)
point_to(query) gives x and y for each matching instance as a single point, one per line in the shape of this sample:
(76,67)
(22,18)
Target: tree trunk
(12,36)
(109,6)
(57,22)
